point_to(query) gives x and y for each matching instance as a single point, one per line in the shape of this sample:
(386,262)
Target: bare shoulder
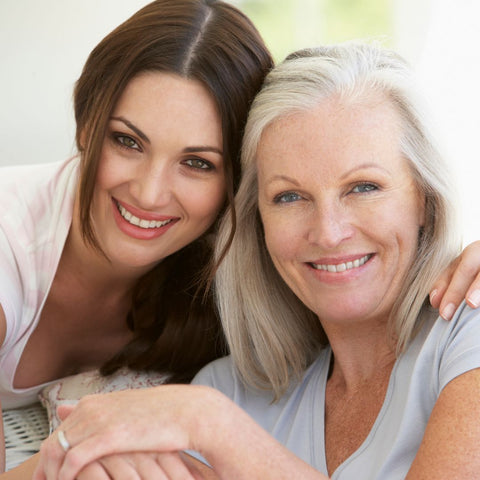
(449,448)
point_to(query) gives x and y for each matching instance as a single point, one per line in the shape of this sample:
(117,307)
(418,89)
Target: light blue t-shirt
(440,352)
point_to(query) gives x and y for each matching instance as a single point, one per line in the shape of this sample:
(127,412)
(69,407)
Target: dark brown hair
(173,317)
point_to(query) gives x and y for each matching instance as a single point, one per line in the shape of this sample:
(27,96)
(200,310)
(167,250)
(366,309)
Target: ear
(82,139)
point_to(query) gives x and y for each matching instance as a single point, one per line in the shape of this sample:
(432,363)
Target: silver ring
(62,440)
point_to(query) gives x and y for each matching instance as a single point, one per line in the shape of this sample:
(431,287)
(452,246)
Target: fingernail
(433,294)
(474,298)
(448,311)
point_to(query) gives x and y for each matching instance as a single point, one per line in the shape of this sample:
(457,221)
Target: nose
(329,225)
(152,187)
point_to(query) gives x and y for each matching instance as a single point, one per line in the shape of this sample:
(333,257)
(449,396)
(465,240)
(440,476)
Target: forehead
(162,100)
(346,130)
(148,88)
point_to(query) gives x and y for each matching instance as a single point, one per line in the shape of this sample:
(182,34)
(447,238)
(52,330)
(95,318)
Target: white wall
(43,46)
(449,65)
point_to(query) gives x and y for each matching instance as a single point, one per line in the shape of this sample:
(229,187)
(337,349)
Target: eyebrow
(132,127)
(364,166)
(286,178)
(201,148)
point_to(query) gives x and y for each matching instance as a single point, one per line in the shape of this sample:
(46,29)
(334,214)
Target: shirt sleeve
(219,374)
(11,288)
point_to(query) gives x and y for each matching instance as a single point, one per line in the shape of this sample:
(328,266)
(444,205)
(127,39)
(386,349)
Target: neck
(360,353)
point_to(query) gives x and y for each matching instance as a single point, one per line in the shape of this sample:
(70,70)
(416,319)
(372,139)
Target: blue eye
(287,197)
(199,164)
(364,188)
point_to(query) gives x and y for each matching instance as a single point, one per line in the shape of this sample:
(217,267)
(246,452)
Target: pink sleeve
(11,290)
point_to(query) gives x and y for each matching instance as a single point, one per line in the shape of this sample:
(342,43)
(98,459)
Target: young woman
(341,368)
(102,257)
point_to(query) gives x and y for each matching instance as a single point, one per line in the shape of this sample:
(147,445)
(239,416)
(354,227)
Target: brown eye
(127,142)
(199,163)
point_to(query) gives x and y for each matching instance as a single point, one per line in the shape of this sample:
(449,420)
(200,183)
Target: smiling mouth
(342,267)
(140,222)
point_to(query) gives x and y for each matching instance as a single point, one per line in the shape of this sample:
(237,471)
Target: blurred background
(43,45)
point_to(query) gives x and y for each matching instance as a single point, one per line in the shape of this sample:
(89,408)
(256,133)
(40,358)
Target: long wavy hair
(173,318)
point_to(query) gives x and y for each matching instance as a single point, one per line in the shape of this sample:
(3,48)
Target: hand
(460,280)
(166,419)
(141,465)
(161,419)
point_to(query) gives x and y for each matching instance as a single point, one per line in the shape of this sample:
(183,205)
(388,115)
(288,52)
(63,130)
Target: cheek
(399,232)
(108,170)
(286,252)
(206,202)
(103,181)
(280,242)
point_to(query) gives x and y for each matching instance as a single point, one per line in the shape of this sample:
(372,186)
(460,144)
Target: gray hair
(272,335)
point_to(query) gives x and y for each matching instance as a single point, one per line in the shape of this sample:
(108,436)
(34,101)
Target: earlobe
(82,139)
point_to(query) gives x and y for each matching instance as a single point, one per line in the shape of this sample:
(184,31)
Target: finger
(64,411)
(88,446)
(473,294)
(94,447)
(147,465)
(94,471)
(39,473)
(174,467)
(464,283)
(120,422)
(54,453)
(119,467)
(89,451)
(140,465)
(441,284)
(51,456)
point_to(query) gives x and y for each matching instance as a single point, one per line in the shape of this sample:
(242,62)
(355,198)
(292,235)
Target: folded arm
(169,419)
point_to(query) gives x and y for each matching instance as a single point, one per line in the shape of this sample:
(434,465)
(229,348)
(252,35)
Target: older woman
(345,190)
(344,219)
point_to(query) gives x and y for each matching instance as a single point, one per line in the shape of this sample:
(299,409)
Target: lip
(340,260)
(142,213)
(343,274)
(135,231)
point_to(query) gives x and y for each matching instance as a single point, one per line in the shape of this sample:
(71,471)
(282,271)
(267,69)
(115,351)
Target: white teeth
(129,217)
(342,267)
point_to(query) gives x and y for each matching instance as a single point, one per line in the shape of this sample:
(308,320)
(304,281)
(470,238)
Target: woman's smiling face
(161,181)
(340,208)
